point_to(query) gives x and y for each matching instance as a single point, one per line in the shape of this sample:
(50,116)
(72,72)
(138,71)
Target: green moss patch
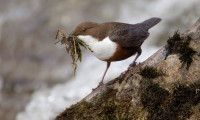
(107,107)
(164,105)
(178,45)
(158,103)
(150,72)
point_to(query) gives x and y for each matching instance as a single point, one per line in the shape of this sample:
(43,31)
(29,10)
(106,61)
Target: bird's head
(84,28)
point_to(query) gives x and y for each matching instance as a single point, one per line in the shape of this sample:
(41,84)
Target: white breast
(103,50)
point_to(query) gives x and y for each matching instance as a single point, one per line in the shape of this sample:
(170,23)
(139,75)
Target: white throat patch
(103,50)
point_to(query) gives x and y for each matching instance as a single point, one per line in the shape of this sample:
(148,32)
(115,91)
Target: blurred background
(36,81)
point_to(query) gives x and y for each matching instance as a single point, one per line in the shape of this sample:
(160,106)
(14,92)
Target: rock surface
(156,89)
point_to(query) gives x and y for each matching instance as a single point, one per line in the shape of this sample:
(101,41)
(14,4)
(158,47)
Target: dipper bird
(114,41)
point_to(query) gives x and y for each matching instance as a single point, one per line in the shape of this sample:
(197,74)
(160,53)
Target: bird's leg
(108,65)
(101,83)
(134,61)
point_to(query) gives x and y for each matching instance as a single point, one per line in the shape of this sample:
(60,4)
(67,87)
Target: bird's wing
(129,35)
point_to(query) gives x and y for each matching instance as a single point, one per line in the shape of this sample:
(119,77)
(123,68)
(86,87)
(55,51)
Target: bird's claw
(131,66)
(100,84)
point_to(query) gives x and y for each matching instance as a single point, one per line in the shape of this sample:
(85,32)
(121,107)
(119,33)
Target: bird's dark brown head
(85,28)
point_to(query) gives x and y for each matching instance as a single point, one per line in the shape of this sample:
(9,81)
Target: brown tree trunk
(156,89)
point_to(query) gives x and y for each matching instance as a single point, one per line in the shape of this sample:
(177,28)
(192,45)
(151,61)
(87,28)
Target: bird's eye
(83,29)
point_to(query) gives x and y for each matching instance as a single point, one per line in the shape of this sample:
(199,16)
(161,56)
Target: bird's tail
(147,24)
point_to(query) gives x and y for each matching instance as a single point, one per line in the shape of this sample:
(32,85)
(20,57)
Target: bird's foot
(130,68)
(100,84)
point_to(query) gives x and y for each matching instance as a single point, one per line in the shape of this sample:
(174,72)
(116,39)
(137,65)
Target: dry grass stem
(72,44)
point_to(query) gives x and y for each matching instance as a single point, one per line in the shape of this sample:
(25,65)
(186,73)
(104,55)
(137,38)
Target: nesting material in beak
(72,44)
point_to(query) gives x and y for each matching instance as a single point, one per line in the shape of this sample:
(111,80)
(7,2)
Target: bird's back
(132,35)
